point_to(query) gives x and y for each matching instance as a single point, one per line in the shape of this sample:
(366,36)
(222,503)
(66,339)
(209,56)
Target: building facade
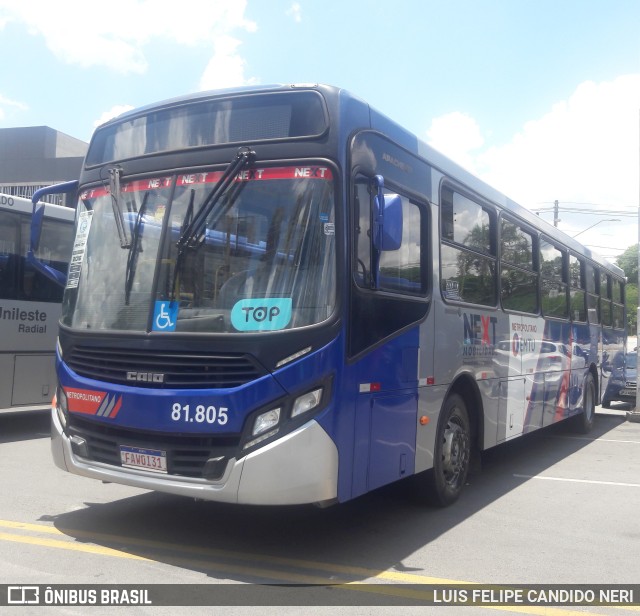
(37,156)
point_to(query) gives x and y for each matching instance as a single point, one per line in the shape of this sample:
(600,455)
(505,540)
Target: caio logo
(261,314)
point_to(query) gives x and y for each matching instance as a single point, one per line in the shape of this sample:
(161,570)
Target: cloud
(583,151)
(111,113)
(585,148)
(295,12)
(82,33)
(226,67)
(11,105)
(456,135)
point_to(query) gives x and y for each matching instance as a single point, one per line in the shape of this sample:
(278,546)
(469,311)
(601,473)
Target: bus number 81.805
(202,414)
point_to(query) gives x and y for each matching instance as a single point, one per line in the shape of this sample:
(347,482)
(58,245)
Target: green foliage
(628,261)
(632,309)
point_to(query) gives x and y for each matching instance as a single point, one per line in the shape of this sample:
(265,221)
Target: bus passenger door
(511,408)
(386,411)
(511,405)
(391,450)
(390,298)
(522,395)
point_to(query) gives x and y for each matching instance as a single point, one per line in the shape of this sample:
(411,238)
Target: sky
(539,98)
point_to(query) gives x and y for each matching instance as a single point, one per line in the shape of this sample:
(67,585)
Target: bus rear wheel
(584,421)
(452,454)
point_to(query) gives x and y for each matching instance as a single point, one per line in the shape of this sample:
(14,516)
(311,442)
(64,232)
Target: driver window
(402,270)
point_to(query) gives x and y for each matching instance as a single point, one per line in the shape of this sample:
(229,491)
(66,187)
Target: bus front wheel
(452,454)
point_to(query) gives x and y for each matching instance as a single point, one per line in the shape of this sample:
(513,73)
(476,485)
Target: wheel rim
(455,451)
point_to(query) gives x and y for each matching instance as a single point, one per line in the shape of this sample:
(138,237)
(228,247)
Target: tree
(632,308)
(628,261)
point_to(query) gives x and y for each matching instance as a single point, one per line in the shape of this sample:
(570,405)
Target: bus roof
(24,206)
(411,142)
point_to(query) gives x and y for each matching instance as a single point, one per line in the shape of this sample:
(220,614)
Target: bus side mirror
(392,227)
(387,219)
(386,228)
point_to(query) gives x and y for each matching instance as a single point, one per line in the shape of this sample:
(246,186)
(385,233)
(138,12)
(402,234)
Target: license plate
(627,392)
(147,459)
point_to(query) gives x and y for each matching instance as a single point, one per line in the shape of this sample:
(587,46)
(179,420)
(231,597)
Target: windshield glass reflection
(265,260)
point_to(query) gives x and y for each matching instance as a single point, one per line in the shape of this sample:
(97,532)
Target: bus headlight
(285,415)
(306,402)
(265,426)
(266,421)
(62,406)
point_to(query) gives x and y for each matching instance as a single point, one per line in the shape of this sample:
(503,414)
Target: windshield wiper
(134,250)
(188,217)
(194,228)
(116,204)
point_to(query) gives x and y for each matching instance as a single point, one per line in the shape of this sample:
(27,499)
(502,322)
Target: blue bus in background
(30,302)
(277,295)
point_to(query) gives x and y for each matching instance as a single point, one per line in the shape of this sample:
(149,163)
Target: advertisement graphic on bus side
(539,367)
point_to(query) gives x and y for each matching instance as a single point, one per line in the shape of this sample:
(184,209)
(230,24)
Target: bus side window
(605,299)
(618,304)
(467,250)
(55,245)
(576,289)
(401,271)
(9,257)
(593,305)
(519,279)
(553,280)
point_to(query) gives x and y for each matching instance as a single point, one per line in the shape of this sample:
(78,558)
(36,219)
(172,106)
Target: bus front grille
(164,369)
(187,455)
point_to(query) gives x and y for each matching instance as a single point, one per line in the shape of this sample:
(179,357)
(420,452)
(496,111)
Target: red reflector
(366,388)
(431,380)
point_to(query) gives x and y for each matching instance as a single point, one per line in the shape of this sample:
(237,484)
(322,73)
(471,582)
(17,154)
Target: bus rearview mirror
(387,218)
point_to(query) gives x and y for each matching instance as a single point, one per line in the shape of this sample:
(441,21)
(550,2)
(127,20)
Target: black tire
(451,456)
(584,421)
(606,404)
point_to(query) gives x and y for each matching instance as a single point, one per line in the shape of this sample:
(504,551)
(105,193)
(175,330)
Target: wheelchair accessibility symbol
(165,316)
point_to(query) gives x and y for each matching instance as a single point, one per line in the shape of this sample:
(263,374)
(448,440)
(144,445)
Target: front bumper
(301,467)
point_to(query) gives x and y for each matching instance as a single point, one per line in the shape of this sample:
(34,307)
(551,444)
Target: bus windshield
(265,260)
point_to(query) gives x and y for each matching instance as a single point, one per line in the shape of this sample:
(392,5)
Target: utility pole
(556,220)
(634,415)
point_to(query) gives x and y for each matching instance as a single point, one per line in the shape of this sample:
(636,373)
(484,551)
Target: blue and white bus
(30,303)
(279,296)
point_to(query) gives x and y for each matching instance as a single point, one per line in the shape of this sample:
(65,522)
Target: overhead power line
(583,211)
(630,207)
(603,247)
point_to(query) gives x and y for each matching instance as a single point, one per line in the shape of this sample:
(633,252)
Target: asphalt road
(553,507)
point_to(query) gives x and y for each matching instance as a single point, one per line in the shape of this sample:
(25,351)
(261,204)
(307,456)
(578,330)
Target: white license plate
(148,459)
(627,392)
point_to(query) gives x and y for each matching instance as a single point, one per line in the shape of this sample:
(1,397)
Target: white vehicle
(30,303)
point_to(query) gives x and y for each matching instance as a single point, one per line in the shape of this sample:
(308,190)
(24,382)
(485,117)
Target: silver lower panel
(301,467)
